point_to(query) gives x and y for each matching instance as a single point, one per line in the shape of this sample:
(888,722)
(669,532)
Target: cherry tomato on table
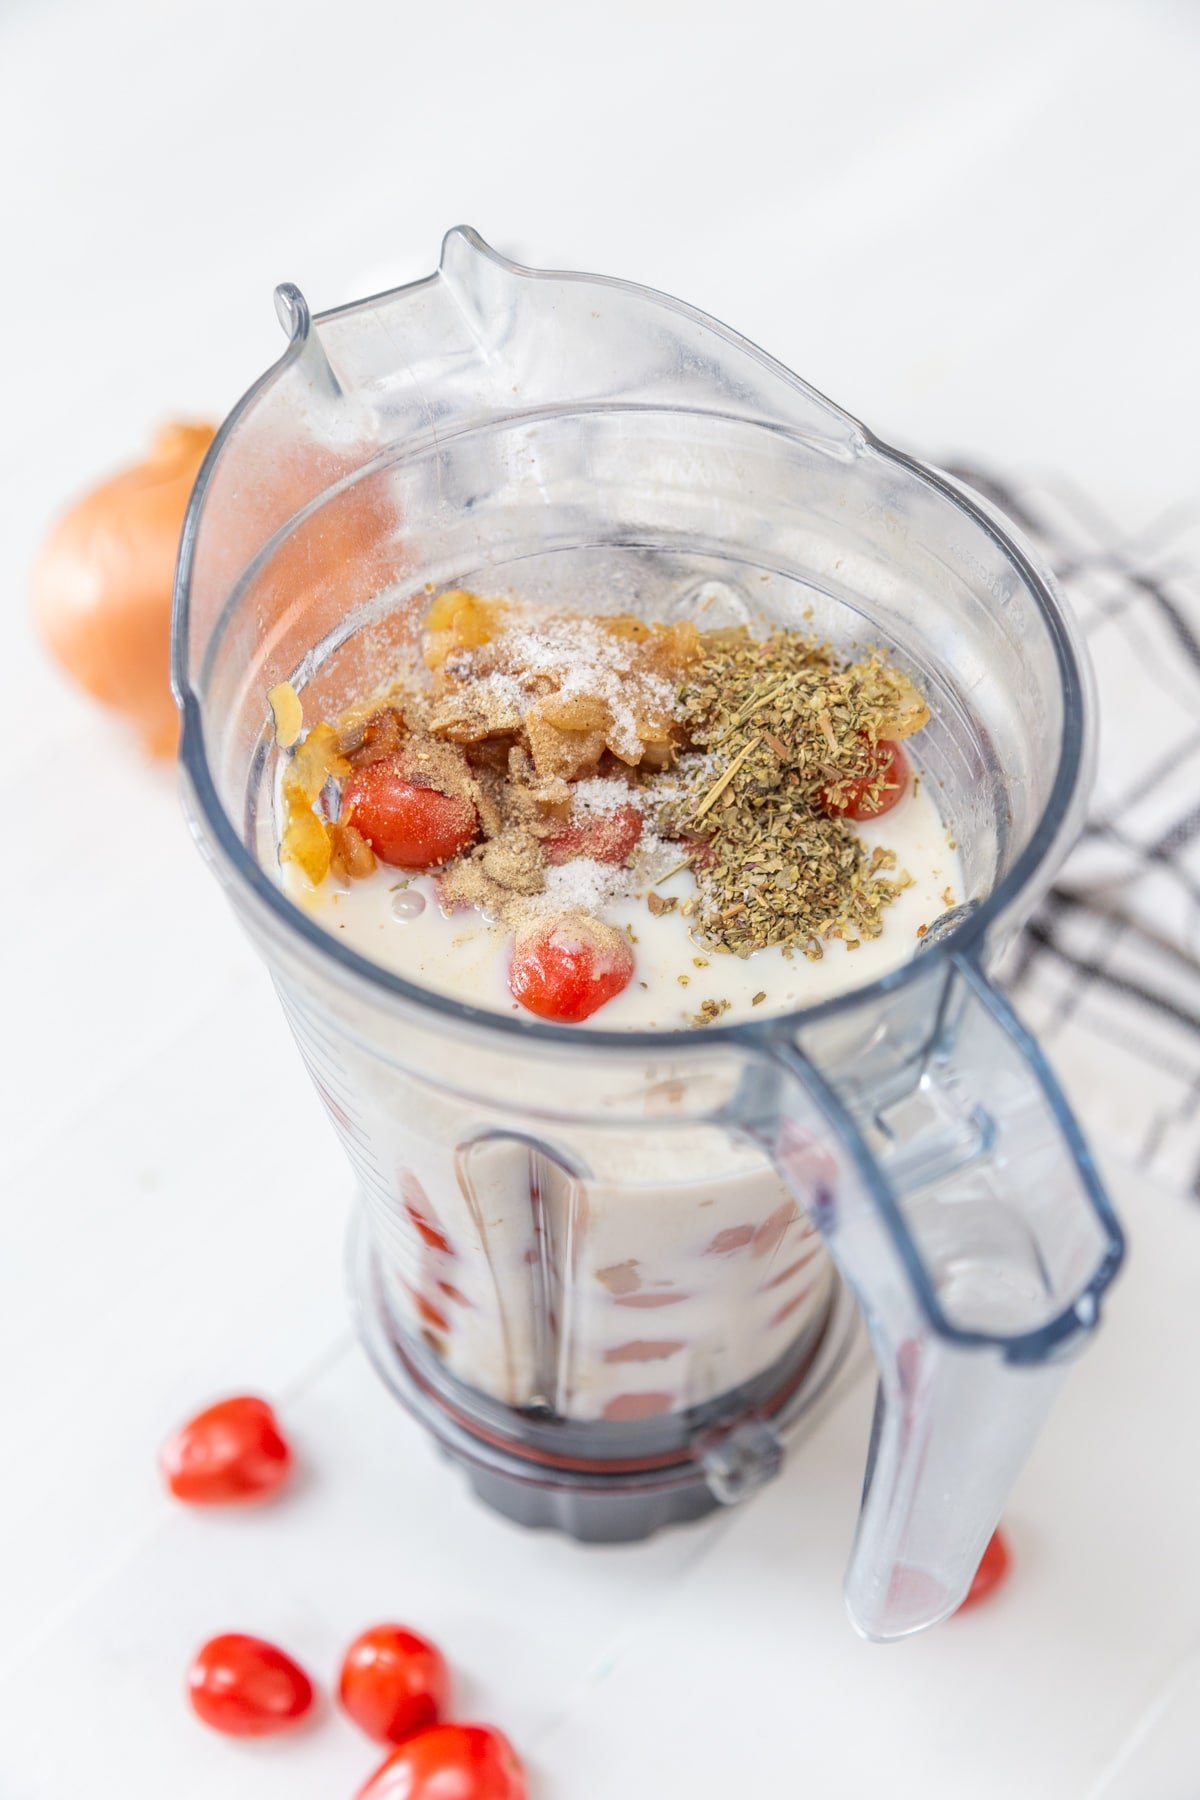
(393,1683)
(409,826)
(605,837)
(230,1452)
(450,1762)
(245,1687)
(889,765)
(567,969)
(993,1570)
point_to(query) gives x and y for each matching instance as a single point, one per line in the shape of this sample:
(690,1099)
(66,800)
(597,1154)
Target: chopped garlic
(287,712)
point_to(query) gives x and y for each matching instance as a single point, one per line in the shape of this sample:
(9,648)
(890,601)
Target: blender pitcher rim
(966,940)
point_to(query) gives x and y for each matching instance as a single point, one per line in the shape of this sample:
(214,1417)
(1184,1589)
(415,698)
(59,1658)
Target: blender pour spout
(291,309)
(486,338)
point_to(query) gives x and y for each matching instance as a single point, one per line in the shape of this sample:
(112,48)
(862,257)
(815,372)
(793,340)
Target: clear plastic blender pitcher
(605,1269)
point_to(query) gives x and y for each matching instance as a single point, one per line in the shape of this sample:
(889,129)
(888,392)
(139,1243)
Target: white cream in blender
(396,919)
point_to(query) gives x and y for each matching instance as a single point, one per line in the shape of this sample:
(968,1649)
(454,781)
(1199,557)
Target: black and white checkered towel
(1108,972)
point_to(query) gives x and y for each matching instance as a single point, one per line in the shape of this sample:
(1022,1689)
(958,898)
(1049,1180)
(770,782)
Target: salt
(603,794)
(578,659)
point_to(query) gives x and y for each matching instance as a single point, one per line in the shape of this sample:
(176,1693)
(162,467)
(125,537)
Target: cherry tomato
(245,1687)
(605,837)
(410,826)
(450,1762)
(229,1452)
(890,764)
(393,1683)
(992,1572)
(567,969)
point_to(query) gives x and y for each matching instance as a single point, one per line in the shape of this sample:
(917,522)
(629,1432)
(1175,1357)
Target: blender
(611,1271)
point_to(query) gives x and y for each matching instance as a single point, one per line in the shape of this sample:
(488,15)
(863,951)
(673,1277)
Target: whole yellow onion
(102,583)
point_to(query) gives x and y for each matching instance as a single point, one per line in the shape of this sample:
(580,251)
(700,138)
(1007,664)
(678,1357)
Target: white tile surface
(970,224)
(1162,1752)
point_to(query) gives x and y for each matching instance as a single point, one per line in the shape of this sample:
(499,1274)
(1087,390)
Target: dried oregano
(779,728)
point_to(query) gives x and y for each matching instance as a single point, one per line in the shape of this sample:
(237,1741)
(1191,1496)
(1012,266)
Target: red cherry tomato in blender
(393,1683)
(889,764)
(567,969)
(230,1452)
(245,1687)
(406,825)
(993,1570)
(605,837)
(450,1762)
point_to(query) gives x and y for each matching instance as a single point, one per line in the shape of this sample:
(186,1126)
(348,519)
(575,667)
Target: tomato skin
(229,1453)
(605,837)
(888,761)
(393,1683)
(993,1571)
(567,969)
(450,1762)
(245,1687)
(406,825)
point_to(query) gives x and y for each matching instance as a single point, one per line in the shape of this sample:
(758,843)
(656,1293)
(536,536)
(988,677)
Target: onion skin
(103,579)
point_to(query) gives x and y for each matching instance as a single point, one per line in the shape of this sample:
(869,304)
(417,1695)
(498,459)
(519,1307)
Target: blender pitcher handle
(977,1241)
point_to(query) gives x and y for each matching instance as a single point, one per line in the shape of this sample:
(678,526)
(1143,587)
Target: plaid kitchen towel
(1108,972)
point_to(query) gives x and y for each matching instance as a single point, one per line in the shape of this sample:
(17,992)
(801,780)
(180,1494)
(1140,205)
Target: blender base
(605,1514)
(544,1474)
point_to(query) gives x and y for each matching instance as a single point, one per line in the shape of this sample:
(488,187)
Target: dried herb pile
(778,727)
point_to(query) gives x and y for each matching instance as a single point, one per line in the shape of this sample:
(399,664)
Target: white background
(973,226)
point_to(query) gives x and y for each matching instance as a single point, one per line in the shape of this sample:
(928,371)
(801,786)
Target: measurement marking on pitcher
(302,1018)
(369,1174)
